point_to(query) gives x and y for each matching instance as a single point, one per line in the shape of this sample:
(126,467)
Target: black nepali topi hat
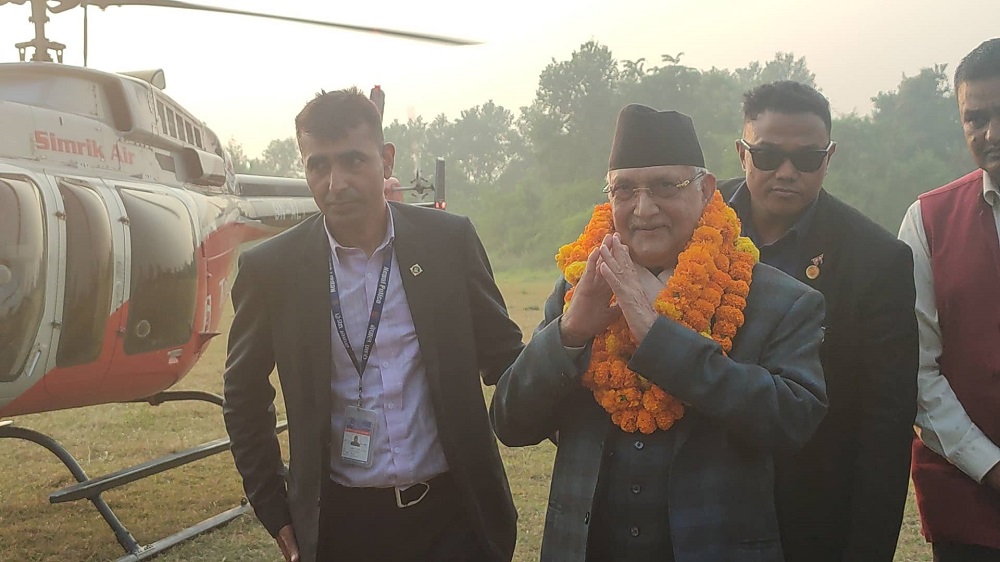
(645,137)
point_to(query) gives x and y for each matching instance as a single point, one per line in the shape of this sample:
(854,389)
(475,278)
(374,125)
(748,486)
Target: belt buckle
(399,499)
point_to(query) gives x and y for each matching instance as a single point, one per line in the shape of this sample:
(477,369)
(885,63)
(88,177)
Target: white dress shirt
(406,448)
(942,422)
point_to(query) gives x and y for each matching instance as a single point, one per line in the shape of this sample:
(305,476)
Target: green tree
(281,158)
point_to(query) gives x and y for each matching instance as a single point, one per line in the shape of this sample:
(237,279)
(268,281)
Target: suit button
(639,445)
(634,531)
(636,488)
(586,518)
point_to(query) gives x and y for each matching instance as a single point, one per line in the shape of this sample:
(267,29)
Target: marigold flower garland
(707,293)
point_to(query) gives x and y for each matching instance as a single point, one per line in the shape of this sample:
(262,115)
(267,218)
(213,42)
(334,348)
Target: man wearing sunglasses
(953,233)
(841,497)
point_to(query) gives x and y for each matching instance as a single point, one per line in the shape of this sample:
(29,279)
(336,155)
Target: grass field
(108,438)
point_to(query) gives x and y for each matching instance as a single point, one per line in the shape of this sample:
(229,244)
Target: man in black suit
(379,317)
(841,497)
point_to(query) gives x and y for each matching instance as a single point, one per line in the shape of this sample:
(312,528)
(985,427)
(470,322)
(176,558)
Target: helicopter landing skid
(92,488)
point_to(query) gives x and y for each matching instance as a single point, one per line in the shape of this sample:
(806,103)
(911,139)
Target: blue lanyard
(373,319)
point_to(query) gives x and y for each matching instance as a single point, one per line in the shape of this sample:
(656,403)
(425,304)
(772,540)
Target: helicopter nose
(22,273)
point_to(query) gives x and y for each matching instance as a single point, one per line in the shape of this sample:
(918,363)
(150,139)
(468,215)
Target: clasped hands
(609,271)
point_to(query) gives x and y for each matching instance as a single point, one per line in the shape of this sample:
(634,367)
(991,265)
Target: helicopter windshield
(22,273)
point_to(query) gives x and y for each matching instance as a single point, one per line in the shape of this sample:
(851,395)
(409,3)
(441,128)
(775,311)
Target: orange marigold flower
(602,374)
(731,314)
(740,288)
(628,421)
(741,272)
(734,301)
(721,279)
(712,294)
(695,320)
(724,328)
(704,307)
(645,422)
(707,235)
(722,262)
(664,419)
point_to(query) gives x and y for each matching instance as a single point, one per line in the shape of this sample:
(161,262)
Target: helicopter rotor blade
(197,7)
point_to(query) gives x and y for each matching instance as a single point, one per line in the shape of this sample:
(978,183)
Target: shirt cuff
(977,457)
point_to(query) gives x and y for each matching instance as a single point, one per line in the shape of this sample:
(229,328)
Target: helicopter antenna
(85,42)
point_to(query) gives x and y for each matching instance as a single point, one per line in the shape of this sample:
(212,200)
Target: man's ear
(741,152)
(708,187)
(388,159)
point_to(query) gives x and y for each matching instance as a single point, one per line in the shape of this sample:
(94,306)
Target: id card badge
(358,435)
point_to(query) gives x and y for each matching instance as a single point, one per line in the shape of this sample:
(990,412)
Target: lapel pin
(415,269)
(812,272)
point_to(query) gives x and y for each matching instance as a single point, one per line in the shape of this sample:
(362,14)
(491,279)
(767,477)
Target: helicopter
(121,220)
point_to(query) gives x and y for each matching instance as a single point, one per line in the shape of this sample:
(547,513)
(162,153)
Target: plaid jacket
(767,397)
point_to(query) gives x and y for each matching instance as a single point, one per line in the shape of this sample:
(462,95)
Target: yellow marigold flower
(745,245)
(574,272)
(614,345)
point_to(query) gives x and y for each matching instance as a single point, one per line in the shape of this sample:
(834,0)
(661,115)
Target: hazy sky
(247,78)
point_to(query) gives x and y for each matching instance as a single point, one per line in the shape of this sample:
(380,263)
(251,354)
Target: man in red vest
(953,231)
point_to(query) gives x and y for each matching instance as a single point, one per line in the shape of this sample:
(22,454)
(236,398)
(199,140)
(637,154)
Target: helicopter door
(89,274)
(164,271)
(22,273)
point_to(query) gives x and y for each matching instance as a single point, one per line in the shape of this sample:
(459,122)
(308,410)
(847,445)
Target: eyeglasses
(768,159)
(663,189)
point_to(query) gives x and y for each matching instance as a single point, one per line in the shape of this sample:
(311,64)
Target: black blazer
(282,319)
(841,497)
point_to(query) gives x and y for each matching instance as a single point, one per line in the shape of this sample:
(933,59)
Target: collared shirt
(943,423)
(785,252)
(405,447)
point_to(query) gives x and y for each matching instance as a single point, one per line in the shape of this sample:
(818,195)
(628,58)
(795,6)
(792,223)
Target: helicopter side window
(189,131)
(180,127)
(163,116)
(164,285)
(197,138)
(22,273)
(171,123)
(89,275)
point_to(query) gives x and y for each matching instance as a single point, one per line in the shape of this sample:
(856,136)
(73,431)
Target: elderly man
(671,366)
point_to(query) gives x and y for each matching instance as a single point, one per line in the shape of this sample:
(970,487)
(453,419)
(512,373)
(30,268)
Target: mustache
(348,195)
(642,225)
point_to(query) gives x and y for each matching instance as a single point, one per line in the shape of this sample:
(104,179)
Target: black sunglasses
(768,159)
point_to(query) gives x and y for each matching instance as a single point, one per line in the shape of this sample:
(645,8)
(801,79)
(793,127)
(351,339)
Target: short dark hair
(982,63)
(786,96)
(332,115)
